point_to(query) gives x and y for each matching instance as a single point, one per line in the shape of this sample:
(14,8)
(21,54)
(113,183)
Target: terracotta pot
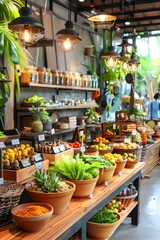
(88,51)
(59,201)
(102,230)
(105,175)
(35,223)
(120,165)
(84,187)
(131,164)
(91,151)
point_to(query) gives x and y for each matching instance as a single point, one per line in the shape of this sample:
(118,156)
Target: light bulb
(124,65)
(26,36)
(67,45)
(102,17)
(111,63)
(133,67)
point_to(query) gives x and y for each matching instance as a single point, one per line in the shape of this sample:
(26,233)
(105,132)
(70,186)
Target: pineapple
(37,125)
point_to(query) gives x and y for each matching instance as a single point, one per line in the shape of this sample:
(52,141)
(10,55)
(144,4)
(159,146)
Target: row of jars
(47,76)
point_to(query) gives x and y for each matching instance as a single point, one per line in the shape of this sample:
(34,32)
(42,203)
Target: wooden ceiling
(144,15)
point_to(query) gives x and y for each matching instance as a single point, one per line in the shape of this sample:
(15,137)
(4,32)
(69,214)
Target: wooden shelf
(80,210)
(58,87)
(49,108)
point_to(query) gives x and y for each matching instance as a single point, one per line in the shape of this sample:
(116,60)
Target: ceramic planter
(59,201)
(105,175)
(102,230)
(120,165)
(84,187)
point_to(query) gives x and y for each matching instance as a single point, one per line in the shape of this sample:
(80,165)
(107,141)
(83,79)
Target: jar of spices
(49,76)
(36,76)
(41,74)
(55,77)
(71,79)
(89,81)
(76,79)
(66,78)
(85,81)
(26,75)
(61,78)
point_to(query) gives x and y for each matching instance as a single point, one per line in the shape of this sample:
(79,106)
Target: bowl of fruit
(131,160)
(102,148)
(100,139)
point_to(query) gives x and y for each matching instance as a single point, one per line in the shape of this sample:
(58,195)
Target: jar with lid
(49,75)
(32,75)
(55,77)
(85,81)
(41,74)
(76,79)
(71,79)
(80,80)
(26,75)
(89,81)
(66,78)
(61,78)
(36,76)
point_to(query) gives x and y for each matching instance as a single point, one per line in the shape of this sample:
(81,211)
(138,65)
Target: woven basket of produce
(10,193)
(127,200)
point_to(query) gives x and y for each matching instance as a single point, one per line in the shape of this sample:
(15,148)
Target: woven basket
(10,193)
(126,201)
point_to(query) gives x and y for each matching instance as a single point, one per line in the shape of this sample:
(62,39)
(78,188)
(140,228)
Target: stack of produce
(48,146)
(100,139)
(116,206)
(113,157)
(137,138)
(101,146)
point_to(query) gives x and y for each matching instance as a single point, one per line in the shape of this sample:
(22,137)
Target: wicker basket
(10,193)
(126,201)
(136,151)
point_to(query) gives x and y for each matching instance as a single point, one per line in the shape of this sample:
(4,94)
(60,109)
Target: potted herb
(49,188)
(103,224)
(84,175)
(93,116)
(35,100)
(88,50)
(106,170)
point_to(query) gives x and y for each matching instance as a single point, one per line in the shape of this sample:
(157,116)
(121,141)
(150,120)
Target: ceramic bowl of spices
(32,217)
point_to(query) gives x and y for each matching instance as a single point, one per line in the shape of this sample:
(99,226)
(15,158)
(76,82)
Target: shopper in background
(154,107)
(145,100)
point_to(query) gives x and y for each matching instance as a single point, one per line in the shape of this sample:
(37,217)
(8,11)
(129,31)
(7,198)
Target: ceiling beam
(142,25)
(139,19)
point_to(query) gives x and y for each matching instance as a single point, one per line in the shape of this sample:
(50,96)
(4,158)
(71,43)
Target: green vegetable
(104,163)
(105,215)
(74,169)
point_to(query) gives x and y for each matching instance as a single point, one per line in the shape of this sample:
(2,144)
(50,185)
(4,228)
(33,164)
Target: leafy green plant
(75,169)
(92,114)
(104,163)
(105,215)
(34,99)
(39,113)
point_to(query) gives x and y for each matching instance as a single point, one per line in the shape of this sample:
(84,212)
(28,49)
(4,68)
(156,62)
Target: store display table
(80,210)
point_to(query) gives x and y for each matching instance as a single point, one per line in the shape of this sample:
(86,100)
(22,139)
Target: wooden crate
(55,157)
(23,175)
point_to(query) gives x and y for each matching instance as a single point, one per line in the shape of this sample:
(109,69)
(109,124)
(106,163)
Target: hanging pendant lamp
(67,38)
(28,29)
(124,46)
(103,19)
(111,57)
(133,62)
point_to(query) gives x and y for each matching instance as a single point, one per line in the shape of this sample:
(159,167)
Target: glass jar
(49,75)
(36,76)
(85,81)
(66,78)
(89,81)
(32,75)
(71,79)
(61,78)
(76,79)
(55,77)
(26,75)
(41,74)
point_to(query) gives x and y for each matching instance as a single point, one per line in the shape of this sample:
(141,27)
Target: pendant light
(28,29)
(111,56)
(133,62)
(124,53)
(67,38)
(103,19)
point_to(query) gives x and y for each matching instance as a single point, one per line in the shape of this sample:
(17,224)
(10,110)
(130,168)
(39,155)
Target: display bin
(136,151)
(55,157)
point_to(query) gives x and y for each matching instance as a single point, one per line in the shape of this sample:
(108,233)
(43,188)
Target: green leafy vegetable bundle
(104,163)
(74,168)
(105,215)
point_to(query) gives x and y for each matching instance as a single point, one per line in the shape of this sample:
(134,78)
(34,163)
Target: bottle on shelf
(71,79)
(26,75)
(41,74)
(55,77)
(49,75)
(61,78)
(66,78)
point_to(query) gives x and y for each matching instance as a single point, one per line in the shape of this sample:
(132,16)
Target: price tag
(39,165)
(114,126)
(134,132)
(2,145)
(26,162)
(62,148)
(126,140)
(52,131)
(38,157)
(41,137)
(15,142)
(56,149)
(122,115)
(81,133)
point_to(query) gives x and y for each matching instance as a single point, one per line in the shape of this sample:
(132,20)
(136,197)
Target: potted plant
(46,120)
(49,188)
(103,224)
(83,175)
(35,100)
(106,169)
(93,116)
(37,125)
(88,50)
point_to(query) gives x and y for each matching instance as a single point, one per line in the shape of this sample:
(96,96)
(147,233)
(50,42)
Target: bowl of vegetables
(32,217)
(103,224)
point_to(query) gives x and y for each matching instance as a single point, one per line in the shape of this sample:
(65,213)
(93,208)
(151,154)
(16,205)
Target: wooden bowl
(32,223)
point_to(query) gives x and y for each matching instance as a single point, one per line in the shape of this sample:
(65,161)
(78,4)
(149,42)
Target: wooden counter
(80,210)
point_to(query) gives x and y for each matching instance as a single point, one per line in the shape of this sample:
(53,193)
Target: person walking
(154,107)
